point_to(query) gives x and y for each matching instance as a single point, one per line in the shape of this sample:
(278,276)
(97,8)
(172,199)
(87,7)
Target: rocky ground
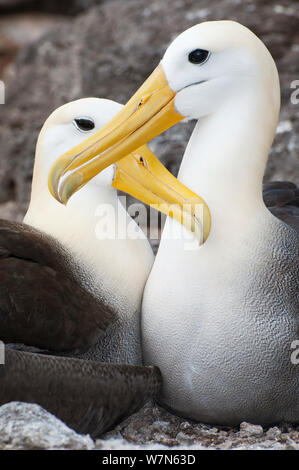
(50,54)
(24,426)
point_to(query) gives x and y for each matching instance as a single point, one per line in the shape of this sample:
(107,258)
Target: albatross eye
(198,56)
(84,124)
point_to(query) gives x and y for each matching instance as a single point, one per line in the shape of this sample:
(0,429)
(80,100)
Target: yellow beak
(143,176)
(147,114)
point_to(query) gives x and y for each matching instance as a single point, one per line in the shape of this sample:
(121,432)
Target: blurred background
(54,51)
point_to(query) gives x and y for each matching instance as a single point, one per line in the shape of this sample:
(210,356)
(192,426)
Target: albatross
(68,289)
(220,321)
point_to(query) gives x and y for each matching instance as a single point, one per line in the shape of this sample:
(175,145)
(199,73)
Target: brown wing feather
(41,304)
(282,199)
(90,397)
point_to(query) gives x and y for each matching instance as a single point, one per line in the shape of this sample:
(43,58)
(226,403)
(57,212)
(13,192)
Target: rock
(153,426)
(13,4)
(121,444)
(8,51)
(273,433)
(26,426)
(248,430)
(108,51)
(19,30)
(11,210)
(70,7)
(23,29)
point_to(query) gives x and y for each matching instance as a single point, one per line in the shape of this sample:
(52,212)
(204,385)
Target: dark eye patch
(198,56)
(84,124)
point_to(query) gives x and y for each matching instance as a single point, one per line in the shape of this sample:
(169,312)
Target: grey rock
(19,29)
(70,7)
(25,426)
(121,444)
(109,50)
(154,426)
(28,426)
(273,433)
(248,430)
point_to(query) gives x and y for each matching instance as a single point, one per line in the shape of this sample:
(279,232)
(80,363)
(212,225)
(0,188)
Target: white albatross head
(209,63)
(69,125)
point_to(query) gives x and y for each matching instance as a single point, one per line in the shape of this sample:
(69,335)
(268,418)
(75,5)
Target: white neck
(117,268)
(226,156)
